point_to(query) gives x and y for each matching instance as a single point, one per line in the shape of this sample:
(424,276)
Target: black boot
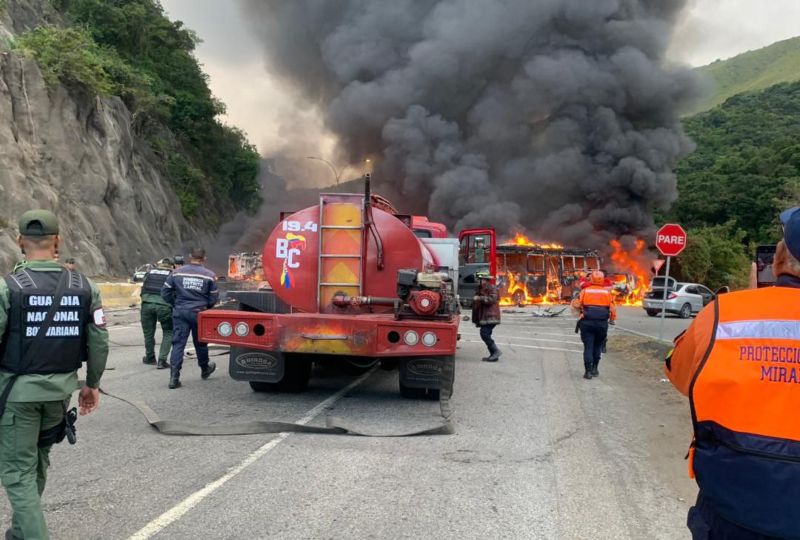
(174,381)
(162,364)
(145,360)
(595,372)
(206,372)
(587,375)
(496,354)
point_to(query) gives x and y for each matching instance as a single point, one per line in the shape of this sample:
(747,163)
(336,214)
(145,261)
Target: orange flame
(518,294)
(522,240)
(635,263)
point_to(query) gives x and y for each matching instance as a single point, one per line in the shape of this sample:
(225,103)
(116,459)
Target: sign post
(670,241)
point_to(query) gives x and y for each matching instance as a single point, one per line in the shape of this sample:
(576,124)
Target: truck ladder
(341,240)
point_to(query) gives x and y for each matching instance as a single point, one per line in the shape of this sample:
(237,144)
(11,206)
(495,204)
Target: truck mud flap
(255,365)
(334,425)
(422,372)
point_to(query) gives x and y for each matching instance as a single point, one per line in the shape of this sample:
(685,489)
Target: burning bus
(534,273)
(539,273)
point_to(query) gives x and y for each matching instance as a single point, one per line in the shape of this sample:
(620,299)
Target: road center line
(642,334)
(530,347)
(179,510)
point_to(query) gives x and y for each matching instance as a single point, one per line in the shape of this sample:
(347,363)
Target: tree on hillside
(747,157)
(129,48)
(716,257)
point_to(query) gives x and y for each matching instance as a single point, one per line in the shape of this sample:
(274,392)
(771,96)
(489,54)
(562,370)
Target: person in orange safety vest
(597,309)
(739,364)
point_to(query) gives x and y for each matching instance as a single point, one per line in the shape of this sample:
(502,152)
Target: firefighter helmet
(598,277)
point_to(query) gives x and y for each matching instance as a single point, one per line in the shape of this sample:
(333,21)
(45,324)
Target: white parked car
(683,299)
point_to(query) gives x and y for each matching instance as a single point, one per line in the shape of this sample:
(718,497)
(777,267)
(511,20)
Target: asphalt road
(538,451)
(635,319)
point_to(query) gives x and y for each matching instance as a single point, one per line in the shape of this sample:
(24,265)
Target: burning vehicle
(537,273)
(245,267)
(534,273)
(632,273)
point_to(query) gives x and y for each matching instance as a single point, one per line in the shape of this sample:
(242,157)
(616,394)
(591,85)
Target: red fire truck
(352,281)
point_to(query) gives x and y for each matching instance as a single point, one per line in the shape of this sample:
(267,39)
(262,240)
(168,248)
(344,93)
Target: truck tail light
(242,329)
(225,329)
(411,338)
(429,339)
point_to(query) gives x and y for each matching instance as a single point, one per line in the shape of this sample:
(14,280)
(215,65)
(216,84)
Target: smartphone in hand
(765,256)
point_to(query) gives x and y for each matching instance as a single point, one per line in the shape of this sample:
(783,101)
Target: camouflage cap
(38,223)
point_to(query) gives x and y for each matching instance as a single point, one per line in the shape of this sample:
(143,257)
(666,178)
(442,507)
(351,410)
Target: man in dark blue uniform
(190,289)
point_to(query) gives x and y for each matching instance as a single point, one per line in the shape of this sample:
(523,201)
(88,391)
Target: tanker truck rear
(352,283)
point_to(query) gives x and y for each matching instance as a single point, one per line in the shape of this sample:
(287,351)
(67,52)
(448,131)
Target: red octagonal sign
(671,239)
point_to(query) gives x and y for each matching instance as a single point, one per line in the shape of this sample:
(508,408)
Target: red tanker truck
(354,282)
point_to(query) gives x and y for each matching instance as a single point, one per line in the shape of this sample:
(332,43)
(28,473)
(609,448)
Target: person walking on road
(51,320)
(156,310)
(597,311)
(739,365)
(190,289)
(486,313)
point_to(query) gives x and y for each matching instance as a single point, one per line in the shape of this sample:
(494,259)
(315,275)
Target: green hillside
(130,49)
(753,70)
(746,162)
(746,169)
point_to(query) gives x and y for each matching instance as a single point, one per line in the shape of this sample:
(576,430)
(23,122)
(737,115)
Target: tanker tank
(352,283)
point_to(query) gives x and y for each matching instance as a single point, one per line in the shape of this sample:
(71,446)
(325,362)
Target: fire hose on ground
(333,425)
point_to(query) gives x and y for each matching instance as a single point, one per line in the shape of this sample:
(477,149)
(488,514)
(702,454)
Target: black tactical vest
(64,346)
(154,280)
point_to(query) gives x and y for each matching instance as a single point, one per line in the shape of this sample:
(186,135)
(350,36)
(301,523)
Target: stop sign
(671,239)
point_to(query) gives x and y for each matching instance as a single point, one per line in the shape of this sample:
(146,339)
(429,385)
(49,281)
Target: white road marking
(566,325)
(178,511)
(534,333)
(123,327)
(641,334)
(550,340)
(530,347)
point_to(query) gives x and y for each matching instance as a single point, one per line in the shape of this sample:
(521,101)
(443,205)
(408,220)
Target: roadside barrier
(120,295)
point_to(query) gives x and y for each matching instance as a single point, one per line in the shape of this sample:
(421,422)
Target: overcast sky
(261,105)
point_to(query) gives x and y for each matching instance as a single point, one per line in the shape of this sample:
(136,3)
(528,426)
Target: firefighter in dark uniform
(486,313)
(156,310)
(51,320)
(190,289)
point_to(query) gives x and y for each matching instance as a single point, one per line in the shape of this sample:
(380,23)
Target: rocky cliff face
(77,155)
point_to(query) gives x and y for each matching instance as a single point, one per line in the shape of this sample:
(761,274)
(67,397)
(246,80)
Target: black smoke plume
(557,116)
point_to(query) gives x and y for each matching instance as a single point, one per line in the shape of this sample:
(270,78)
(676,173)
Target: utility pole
(336,174)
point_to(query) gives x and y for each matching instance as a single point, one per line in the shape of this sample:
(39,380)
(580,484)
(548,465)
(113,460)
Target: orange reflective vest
(739,363)
(597,304)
